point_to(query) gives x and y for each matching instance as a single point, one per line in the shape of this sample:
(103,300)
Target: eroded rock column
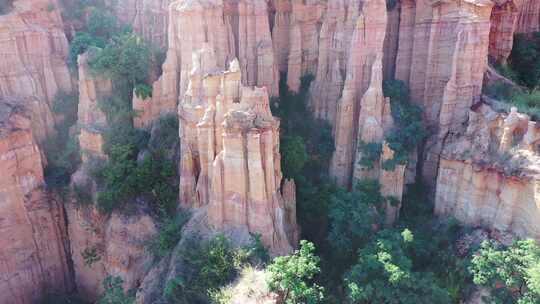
(34,254)
(442,56)
(230,156)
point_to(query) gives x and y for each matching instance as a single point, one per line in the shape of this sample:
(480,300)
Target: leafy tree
(208,265)
(512,274)
(114,292)
(170,233)
(384,273)
(295,157)
(101,23)
(409,131)
(62,150)
(354,216)
(123,179)
(525,59)
(371,152)
(126,57)
(290,276)
(119,178)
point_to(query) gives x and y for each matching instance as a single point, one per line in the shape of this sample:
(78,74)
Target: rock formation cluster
(223,63)
(489,174)
(230,155)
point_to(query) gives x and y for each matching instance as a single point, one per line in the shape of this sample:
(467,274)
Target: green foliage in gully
(523,67)
(209,265)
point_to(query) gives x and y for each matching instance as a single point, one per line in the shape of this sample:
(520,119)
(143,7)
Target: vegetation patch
(409,130)
(209,265)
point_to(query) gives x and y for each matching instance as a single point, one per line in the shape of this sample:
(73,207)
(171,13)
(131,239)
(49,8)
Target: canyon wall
(101,244)
(34,249)
(483,165)
(149,18)
(362,91)
(234,29)
(529,17)
(489,174)
(230,157)
(442,56)
(33,49)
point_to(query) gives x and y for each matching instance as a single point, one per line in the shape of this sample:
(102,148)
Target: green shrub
(62,150)
(499,91)
(256,252)
(525,101)
(354,215)
(90,255)
(165,133)
(170,233)
(80,44)
(120,179)
(143,90)
(126,57)
(524,59)
(208,265)
(101,23)
(371,153)
(114,292)
(528,103)
(295,156)
(291,276)
(384,273)
(409,131)
(512,274)
(120,131)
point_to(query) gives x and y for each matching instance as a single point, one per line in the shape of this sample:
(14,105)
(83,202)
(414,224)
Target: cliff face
(362,91)
(504,22)
(230,155)
(115,243)
(489,174)
(529,17)
(149,18)
(34,48)
(34,255)
(442,56)
(90,119)
(304,29)
(233,29)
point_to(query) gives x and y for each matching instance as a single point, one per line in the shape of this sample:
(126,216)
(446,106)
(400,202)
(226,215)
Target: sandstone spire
(230,155)
(365,59)
(504,19)
(233,29)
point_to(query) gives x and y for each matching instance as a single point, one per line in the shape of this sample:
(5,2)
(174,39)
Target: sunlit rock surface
(34,252)
(489,174)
